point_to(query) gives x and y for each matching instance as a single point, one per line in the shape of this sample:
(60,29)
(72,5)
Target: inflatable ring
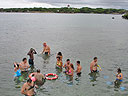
(31,75)
(51,74)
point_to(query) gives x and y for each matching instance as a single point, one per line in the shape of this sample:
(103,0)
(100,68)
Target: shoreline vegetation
(125,16)
(70,10)
(65,10)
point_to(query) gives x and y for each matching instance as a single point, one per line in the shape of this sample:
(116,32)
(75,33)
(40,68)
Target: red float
(51,74)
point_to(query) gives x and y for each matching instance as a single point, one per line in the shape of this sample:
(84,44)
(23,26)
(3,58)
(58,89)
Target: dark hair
(119,70)
(58,57)
(59,53)
(78,62)
(72,66)
(29,81)
(68,59)
(31,50)
(17,65)
(95,58)
(38,70)
(24,59)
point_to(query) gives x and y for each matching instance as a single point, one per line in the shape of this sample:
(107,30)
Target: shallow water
(78,37)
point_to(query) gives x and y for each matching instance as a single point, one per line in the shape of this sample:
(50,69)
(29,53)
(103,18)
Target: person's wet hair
(38,70)
(17,65)
(31,49)
(78,62)
(29,81)
(68,59)
(119,70)
(59,53)
(72,66)
(95,58)
(24,59)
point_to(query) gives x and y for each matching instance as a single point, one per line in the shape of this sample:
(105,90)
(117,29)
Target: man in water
(28,88)
(39,77)
(67,65)
(93,65)
(24,65)
(46,49)
(31,55)
(79,68)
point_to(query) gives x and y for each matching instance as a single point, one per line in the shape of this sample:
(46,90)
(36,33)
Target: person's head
(119,70)
(24,60)
(68,61)
(29,81)
(72,66)
(95,59)
(16,65)
(38,70)
(44,44)
(78,63)
(31,50)
(58,58)
(59,53)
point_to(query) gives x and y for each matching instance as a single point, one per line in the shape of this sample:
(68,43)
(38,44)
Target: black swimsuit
(46,53)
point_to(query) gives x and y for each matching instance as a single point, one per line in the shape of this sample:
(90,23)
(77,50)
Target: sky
(119,4)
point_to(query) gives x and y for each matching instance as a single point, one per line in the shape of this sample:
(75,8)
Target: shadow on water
(45,57)
(94,76)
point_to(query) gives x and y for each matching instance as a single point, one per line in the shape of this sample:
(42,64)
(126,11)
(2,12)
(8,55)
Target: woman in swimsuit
(71,72)
(119,77)
(59,54)
(59,63)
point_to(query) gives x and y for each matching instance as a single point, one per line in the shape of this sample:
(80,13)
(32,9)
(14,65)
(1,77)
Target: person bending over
(28,88)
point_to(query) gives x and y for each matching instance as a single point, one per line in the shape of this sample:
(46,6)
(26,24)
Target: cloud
(91,3)
(22,4)
(61,3)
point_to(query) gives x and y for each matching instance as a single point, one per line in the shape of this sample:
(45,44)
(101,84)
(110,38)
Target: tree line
(66,10)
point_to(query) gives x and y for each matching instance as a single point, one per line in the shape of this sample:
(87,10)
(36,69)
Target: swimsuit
(31,62)
(46,53)
(94,71)
(79,74)
(119,79)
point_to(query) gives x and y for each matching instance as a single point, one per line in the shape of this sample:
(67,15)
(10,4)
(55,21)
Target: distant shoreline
(62,13)
(64,10)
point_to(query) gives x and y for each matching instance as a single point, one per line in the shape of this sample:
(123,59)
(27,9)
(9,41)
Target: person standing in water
(67,65)
(119,77)
(24,65)
(39,78)
(46,49)
(31,55)
(59,63)
(79,68)
(94,65)
(70,72)
(28,88)
(59,54)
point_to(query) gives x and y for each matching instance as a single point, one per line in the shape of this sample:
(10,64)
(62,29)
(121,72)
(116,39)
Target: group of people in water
(37,79)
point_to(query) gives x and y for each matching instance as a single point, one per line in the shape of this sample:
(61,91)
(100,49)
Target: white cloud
(62,3)
(22,4)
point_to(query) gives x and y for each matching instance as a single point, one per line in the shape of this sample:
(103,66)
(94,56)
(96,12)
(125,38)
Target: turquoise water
(78,37)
